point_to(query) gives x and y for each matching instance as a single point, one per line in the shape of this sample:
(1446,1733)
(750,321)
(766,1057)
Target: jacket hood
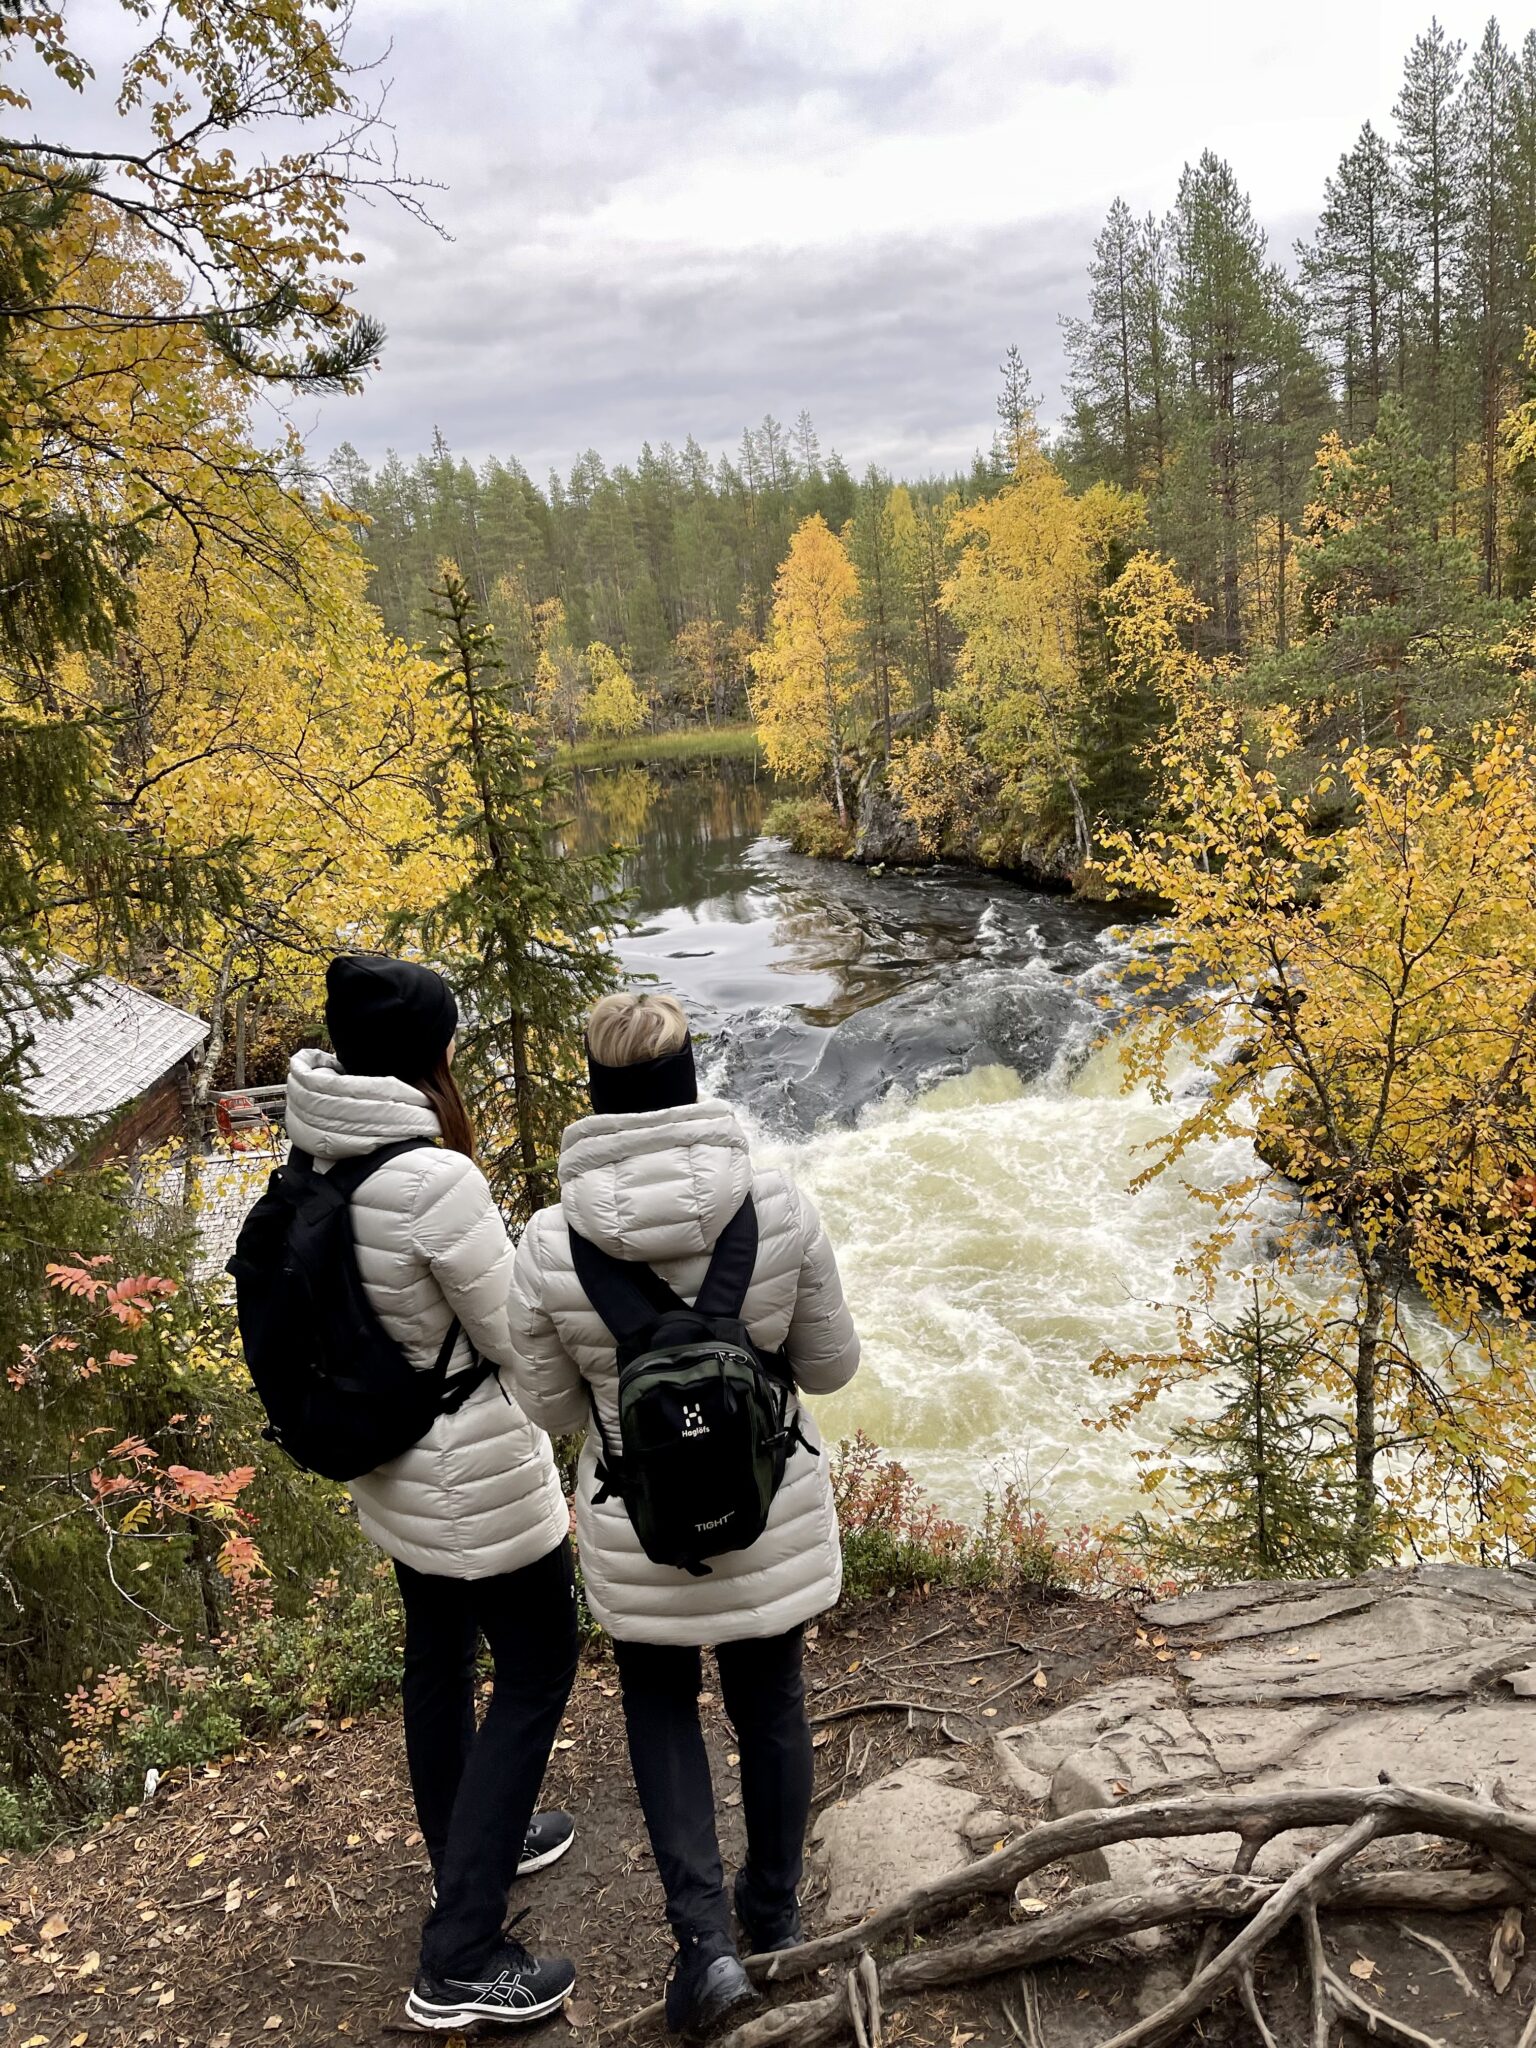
(332,1114)
(655,1186)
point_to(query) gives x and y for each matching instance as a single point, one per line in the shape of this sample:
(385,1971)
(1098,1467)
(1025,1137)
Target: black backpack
(341,1395)
(707,1421)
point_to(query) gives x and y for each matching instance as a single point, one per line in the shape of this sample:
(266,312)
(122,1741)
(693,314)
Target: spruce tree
(883,605)
(1015,413)
(1397,633)
(1263,1482)
(524,936)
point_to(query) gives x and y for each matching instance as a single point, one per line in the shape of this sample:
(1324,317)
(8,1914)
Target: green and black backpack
(707,1420)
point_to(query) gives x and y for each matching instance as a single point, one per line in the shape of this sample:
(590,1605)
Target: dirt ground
(278,1898)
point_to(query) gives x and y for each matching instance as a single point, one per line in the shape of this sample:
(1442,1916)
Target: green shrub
(896,1540)
(811,825)
(168,1708)
(25,1819)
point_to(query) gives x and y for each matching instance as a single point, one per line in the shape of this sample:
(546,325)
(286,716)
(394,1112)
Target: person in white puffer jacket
(655,1175)
(473,1514)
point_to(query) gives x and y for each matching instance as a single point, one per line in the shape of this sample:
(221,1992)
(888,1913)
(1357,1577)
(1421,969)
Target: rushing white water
(992,1248)
(927,1056)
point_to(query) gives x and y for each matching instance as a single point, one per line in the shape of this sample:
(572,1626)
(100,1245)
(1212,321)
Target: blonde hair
(631,1026)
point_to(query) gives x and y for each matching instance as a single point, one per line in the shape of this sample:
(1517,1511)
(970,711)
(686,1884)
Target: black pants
(764,1693)
(475,1790)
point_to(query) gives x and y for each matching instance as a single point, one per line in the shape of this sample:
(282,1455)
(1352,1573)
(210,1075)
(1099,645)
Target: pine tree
(1489,266)
(1220,313)
(1119,368)
(1429,153)
(524,937)
(1355,273)
(1291,409)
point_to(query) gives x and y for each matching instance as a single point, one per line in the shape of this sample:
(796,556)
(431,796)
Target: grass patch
(688,743)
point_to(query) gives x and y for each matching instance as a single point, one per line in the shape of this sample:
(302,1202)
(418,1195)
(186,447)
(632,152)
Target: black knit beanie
(388,1016)
(661,1083)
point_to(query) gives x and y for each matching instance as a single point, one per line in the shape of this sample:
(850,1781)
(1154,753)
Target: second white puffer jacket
(661,1187)
(479,1494)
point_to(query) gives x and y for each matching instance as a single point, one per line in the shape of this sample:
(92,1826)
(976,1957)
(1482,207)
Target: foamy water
(990,1241)
(992,1248)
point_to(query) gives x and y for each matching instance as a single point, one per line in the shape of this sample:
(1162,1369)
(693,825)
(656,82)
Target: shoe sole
(530,1864)
(444,2019)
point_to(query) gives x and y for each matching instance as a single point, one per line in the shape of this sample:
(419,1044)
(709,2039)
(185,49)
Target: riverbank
(278,1895)
(694,743)
(1027,1779)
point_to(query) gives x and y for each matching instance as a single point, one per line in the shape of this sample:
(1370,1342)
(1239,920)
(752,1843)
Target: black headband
(662,1083)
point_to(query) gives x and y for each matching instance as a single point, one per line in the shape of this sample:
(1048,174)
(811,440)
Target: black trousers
(475,1790)
(763,1688)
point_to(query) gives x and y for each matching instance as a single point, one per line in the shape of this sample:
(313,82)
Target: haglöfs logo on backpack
(693,1420)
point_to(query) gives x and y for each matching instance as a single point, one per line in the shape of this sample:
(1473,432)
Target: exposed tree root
(1263,1907)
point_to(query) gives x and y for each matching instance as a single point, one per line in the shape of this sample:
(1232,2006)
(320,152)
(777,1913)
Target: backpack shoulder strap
(625,1292)
(731,1265)
(348,1175)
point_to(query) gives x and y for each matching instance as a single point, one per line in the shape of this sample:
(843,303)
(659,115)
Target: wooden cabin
(121,1062)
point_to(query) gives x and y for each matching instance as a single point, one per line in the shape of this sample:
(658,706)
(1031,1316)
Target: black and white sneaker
(513,1988)
(549,1836)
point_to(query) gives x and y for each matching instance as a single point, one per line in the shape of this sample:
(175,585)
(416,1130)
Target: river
(931,1057)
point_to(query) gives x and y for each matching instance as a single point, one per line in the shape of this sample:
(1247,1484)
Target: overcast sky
(670,216)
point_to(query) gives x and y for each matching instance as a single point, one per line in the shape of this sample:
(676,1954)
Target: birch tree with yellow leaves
(1023,595)
(807,689)
(284,732)
(1383,980)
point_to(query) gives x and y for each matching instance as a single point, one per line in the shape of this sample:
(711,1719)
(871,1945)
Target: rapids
(932,1057)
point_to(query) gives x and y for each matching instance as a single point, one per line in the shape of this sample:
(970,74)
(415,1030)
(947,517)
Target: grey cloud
(892,345)
(720,63)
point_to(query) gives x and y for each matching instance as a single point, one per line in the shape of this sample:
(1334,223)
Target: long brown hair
(442,1091)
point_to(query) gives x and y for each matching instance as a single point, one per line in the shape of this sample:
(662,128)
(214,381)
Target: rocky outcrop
(912,1826)
(1274,1688)
(883,833)
(885,836)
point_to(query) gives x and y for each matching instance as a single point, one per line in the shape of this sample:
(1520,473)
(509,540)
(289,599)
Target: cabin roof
(116,1044)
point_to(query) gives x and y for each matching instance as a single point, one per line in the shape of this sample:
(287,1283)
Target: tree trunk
(242,1034)
(1367,1352)
(1080,818)
(203,1126)
(527,1141)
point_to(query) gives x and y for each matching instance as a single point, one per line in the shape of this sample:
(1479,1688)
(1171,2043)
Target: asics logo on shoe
(505,1990)
(693,1420)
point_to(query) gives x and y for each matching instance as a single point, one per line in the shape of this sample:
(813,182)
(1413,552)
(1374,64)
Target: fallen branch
(1406,1810)
(874,1707)
(1096,1914)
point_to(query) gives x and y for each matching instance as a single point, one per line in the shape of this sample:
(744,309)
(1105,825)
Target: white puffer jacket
(479,1494)
(661,1187)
